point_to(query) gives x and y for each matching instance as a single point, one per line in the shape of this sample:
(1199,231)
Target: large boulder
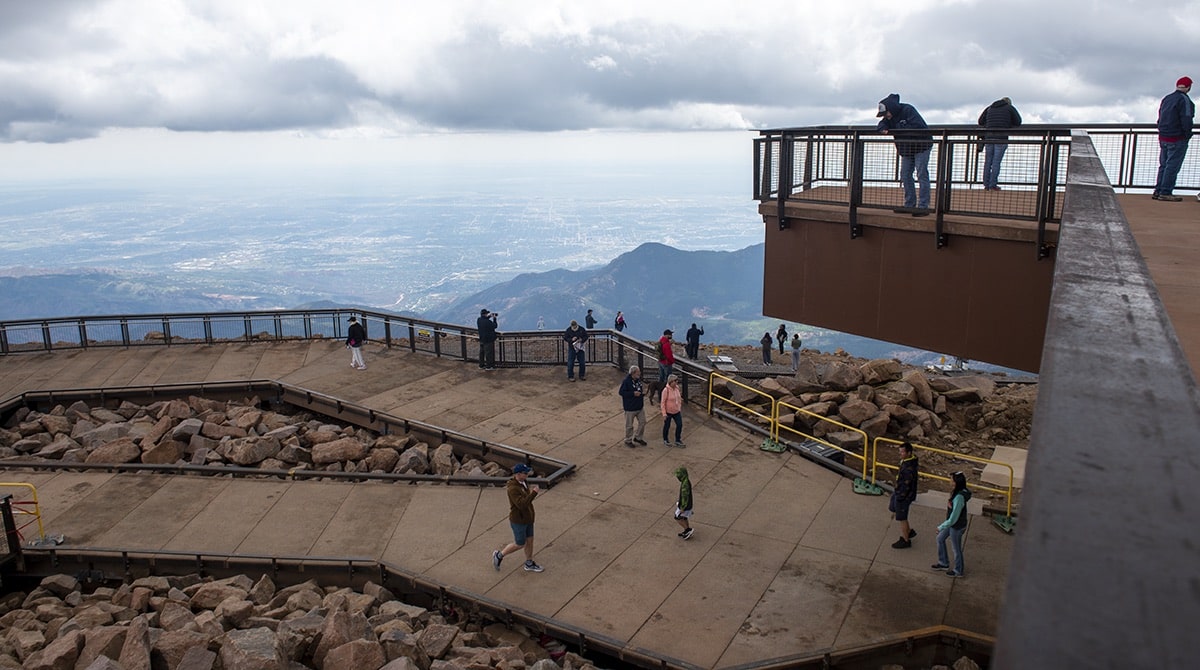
(121,450)
(253,649)
(841,377)
(853,412)
(344,449)
(920,384)
(880,371)
(251,450)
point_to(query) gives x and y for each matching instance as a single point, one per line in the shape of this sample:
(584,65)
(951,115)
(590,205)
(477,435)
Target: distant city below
(416,245)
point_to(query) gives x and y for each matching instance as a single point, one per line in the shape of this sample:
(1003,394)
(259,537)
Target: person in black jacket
(998,116)
(486,325)
(356,336)
(914,143)
(1174,130)
(692,348)
(633,401)
(576,337)
(905,494)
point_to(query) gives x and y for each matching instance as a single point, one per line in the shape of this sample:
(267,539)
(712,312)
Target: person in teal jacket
(953,527)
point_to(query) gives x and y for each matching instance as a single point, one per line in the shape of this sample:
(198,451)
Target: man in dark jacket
(913,146)
(996,117)
(356,337)
(633,401)
(693,341)
(905,494)
(576,337)
(1175,115)
(486,325)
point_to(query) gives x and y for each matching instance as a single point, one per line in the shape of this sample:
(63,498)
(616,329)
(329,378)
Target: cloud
(74,69)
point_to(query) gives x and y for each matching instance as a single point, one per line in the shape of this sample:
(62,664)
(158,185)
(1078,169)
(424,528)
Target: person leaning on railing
(1175,114)
(913,147)
(998,115)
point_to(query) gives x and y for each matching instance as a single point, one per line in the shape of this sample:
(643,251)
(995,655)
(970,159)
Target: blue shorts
(520,532)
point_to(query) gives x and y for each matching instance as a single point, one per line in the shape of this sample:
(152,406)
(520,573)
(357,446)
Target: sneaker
(687,534)
(1166,197)
(629,444)
(530,566)
(582,378)
(939,566)
(912,532)
(680,533)
(954,573)
(680,444)
(921,212)
(902,543)
(666,443)
(570,379)
(496,558)
(639,441)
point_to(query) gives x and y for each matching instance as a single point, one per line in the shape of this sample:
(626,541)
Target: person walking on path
(576,337)
(693,341)
(619,322)
(356,336)
(914,146)
(781,337)
(796,351)
(998,116)
(633,402)
(486,325)
(904,495)
(683,506)
(1175,114)
(671,406)
(589,321)
(520,517)
(766,343)
(953,527)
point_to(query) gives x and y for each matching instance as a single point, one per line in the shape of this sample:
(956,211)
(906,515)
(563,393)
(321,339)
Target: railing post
(208,331)
(83,343)
(166,326)
(786,149)
(944,160)
(3,340)
(124,333)
(387,333)
(10,526)
(855,177)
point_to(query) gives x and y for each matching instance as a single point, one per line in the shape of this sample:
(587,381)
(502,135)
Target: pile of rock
(189,623)
(200,431)
(885,398)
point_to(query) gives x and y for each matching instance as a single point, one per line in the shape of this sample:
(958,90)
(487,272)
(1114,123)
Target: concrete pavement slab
(152,524)
(802,609)
(627,592)
(282,358)
(104,368)
(292,525)
(713,601)
(894,599)
(788,501)
(849,524)
(729,489)
(59,492)
(923,551)
(93,514)
(229,518)
(655,488)
(236,361)
(434,525)
(365,521)
(159,364)
(975,599)
(507,426)
(192,365)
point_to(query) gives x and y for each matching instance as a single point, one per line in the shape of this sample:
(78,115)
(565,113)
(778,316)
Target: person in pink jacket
(671,405)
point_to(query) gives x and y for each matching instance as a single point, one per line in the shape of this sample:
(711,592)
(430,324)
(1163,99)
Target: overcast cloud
(74,69)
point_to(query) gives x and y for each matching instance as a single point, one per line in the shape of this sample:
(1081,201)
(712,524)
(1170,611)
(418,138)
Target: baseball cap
(521,467)
(1184,82)
(668,332)
(483,312)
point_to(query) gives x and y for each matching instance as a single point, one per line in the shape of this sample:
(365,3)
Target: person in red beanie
(1174,130)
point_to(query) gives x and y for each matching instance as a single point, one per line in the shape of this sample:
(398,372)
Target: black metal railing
(858,168)
(525,348)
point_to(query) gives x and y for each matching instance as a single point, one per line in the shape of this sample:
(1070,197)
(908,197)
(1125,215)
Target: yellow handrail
(37,509)
(769,419)
(1008,493)
(800,410)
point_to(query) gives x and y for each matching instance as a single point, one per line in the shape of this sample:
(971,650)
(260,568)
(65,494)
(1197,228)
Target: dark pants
(1170,159)
(677,417)
(573,355)
(487,354)
(692,350)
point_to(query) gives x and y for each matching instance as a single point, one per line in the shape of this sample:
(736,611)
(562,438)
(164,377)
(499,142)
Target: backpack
(658,350)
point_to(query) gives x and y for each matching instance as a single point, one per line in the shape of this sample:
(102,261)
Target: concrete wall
(980,298)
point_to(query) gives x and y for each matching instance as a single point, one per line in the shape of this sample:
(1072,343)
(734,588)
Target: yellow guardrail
(26,508)
(779,428)
(1005,523)
(768,419)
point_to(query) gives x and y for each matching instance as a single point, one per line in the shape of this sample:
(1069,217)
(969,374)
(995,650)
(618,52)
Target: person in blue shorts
(904,495)
(520,517)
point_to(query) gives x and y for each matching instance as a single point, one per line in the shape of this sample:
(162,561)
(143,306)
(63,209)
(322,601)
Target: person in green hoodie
(683,507)
(953,527)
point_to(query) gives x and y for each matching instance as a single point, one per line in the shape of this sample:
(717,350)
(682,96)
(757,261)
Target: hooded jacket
(956,514)
(999,114)
(905,119)
(1175,117)
(685,489)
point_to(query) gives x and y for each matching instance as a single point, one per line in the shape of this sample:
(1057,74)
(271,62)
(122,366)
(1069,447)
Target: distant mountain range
(656,286)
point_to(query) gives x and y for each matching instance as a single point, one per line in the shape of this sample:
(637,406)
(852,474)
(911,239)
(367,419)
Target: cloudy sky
(88,86)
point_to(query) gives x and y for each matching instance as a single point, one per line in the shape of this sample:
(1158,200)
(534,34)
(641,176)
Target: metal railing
(857,167)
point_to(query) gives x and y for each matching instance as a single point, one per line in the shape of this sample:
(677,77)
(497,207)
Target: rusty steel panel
(979,298)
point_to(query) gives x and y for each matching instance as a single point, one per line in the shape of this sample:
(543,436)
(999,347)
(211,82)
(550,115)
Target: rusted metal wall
(979,298)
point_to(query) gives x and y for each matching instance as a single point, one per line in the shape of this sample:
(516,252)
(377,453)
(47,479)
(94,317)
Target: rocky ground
(981,411)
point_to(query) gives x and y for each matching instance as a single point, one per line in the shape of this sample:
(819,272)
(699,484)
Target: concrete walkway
(786,559)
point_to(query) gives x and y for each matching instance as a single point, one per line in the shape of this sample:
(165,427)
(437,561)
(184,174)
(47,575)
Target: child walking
(683,508)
